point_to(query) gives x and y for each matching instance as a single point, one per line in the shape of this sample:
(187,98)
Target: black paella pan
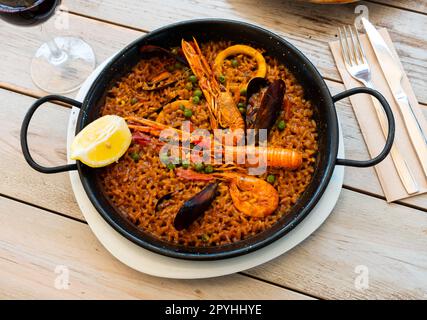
(315,89)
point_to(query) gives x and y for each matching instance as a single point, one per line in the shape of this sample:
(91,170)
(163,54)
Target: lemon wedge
(101,142)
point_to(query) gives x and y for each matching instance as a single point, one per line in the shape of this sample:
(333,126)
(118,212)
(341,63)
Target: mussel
(164,78)
(162,199)
(195,207)
(156,50)
(265,101)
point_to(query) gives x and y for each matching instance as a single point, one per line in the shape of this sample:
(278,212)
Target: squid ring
(241,49)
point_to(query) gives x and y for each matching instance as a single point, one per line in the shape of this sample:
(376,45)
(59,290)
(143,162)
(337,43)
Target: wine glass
(60,65)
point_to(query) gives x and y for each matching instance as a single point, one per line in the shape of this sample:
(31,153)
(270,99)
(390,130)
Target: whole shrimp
(222,107)
(252,196)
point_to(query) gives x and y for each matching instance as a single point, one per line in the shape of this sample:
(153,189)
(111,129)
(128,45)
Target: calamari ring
(241,49)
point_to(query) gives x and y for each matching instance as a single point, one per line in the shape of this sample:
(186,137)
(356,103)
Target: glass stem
(57,55)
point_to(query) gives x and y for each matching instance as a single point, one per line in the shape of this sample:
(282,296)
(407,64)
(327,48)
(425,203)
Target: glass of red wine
(60,65)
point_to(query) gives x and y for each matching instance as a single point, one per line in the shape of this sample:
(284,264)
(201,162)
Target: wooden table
(42,228)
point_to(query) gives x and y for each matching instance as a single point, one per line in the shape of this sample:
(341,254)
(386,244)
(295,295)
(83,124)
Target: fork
(358,67)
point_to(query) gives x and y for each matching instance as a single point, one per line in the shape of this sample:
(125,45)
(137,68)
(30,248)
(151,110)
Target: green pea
(243,91)
(178,65)
(135,156)
(185,164)
(164,158)
(221,78)
(209,169)
(242,110)
(199,166)
(192,78)
(205,237)
(188,86)
(196,100)
(134,100)
(188,113)
(271,178)
(170,166)
(234,63)
(198,93)
(182,107)
(281,125)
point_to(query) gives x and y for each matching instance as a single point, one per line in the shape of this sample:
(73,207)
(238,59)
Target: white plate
(157,265)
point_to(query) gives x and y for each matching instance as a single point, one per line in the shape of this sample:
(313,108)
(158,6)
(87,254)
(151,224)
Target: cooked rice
(134,187)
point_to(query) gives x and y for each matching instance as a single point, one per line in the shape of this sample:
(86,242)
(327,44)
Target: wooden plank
(362,233)
(47,141)
(418,5)
(33,243)
(309,27)
(390,240)
(17,52)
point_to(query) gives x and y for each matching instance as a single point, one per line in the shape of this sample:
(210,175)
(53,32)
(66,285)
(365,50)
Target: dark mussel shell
(162,199)
(254,86)
(195,207)
(263,111)
(150,49)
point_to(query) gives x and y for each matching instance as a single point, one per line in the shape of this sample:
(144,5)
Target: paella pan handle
(391,128)
(24,134)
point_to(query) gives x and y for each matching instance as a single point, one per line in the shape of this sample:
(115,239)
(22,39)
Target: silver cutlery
(358,67)
(394,74)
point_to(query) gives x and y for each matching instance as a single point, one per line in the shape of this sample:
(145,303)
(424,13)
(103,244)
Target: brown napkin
(370,127)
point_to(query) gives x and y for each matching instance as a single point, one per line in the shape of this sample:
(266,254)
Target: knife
(394,74)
